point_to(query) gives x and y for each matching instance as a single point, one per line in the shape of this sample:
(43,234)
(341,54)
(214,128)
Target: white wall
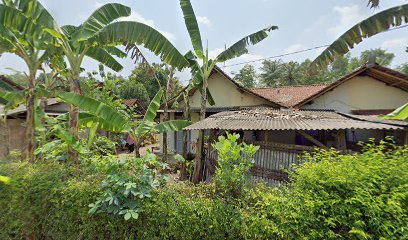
(360,93)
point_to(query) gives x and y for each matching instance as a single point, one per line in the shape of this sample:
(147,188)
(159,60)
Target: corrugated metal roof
(274,119)
(22,108)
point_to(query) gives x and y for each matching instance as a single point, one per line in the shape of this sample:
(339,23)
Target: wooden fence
(271,161)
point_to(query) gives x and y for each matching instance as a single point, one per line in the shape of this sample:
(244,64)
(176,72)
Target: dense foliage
(274,73)
(235,161)
(332,196)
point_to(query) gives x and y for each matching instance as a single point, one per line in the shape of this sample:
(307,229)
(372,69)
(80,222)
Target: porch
(285,135)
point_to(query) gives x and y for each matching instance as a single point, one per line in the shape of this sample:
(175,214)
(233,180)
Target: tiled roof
(289,96)
(274,119)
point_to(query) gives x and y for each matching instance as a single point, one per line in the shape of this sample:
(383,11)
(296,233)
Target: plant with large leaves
(97,38)
(112,120)
(22,34)
(202,66)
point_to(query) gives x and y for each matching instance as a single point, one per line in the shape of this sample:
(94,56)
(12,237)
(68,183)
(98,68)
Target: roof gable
(383,74)
(217,70)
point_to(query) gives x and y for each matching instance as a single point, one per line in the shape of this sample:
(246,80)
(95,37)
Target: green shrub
(335,196)
(234,163)
(332,196)
(125,189)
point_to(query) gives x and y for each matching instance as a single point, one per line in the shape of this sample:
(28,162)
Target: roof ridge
(291,86)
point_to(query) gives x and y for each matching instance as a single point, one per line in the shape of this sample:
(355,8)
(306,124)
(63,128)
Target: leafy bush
(234,162)
(126,187)
(335,196)
(332,196)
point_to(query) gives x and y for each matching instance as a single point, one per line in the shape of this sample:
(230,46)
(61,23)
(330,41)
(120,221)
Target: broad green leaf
(115,51)
(192,27)
(144,128)
(4,179)
(104,57)
(141,34)
(99,19)
(240,47)
(154,106)
(92,133)
(116,119)
(400,113)
(172,125)
(371,26)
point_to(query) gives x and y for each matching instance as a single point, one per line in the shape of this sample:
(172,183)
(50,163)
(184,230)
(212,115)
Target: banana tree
(112,120)
(22,34)
(202,66)
(97,38)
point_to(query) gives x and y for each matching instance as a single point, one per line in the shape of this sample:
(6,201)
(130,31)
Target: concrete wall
(16,134)
(359,93)
(226,94)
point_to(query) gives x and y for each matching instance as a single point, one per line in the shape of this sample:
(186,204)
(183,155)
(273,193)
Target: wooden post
(341,140)
(312,139)
(266,137)
(406,137)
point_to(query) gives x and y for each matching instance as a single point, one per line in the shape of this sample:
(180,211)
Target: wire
(300,51)
(277,56)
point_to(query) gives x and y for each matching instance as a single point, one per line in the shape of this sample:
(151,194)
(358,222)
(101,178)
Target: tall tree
(201,71)
(22,34)
(247,76)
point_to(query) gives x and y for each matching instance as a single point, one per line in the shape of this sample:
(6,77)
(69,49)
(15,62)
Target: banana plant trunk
(30,130)
(137,149)
(186,116)
(73,121)
(199,161)
(169,86)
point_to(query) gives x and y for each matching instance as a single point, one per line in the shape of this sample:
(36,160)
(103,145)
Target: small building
(338,115)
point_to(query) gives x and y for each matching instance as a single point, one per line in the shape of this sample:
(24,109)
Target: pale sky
(302,24)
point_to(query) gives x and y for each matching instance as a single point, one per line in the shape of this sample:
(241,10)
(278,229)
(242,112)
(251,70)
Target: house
(286,119)
(12,129)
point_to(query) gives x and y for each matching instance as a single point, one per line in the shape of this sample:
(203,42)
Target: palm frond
(192,27)
(369,27)
(141,34)
(101,55)
(240,47)
(172,125)
(99,19)
(111,116)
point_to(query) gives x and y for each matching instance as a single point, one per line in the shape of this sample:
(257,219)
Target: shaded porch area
(285,135)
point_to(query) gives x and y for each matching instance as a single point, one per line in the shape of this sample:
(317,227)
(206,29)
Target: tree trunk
(137,149)
(186,116)
(183,170)
(169,87)
(198,169)
(73,122)
(30,130)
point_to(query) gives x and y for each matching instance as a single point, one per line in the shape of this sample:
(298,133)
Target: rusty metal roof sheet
(22,108)
(274,119)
